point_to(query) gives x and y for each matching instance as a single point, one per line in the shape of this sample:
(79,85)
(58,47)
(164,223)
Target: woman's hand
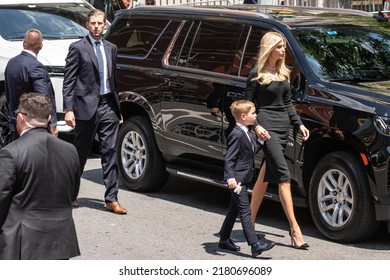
(262,133)
(305,132)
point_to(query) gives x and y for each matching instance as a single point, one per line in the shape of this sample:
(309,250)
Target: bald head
(33,40)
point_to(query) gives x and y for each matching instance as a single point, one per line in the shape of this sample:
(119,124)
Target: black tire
(340,201)
(141,165)
(5,135)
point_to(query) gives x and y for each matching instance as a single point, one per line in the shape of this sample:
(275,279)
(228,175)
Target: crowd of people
(37,196)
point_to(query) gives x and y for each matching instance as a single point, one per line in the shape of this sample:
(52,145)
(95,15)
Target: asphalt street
(182,220)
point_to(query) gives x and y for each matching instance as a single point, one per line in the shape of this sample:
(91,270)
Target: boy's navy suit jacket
(240,156)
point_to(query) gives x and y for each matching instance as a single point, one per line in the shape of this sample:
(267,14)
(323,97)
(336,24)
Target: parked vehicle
(108,6)
(61,22)
(174,63)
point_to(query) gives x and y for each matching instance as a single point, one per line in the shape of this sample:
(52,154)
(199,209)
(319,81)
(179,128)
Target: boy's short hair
(239,107)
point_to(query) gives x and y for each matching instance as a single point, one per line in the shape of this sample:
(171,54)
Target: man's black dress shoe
(261,246)
(260,235)
(228,244)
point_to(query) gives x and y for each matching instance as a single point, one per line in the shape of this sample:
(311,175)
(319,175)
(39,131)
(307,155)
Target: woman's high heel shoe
(303,246)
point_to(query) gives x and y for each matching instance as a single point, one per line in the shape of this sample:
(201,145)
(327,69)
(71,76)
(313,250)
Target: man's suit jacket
(81,88)
(240,156)
(40,178)
(24,74)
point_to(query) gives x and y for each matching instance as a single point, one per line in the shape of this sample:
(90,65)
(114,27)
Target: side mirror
(380,17)
(298,88)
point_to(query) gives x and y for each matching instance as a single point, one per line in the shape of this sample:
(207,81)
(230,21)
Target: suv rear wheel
(340,201)
(141,165)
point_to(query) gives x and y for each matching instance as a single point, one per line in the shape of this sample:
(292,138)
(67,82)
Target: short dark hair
(36,105)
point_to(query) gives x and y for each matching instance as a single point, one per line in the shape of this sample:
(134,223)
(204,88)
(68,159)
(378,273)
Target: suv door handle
(175,84)
(235,95)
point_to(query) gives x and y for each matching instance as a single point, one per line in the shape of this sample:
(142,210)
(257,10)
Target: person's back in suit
(24,73)
(40,178)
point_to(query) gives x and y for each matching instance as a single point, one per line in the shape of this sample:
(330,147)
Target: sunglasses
(18,112)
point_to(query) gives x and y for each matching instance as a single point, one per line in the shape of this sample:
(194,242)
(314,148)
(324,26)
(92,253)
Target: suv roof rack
(263,10)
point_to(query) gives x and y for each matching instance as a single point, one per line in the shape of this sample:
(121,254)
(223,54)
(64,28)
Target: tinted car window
(54,21)
(252,48)
(215,55)
(178,47)
(342,52)
(135,38)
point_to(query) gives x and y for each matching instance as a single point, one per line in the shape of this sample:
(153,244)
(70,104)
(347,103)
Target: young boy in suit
(239,174)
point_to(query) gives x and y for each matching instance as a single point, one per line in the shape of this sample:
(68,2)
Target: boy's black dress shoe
(228,244)
(261,246)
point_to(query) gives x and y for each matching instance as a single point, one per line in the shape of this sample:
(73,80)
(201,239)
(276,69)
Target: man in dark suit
(24,73)
(40,177)
(239,174)
(92,103)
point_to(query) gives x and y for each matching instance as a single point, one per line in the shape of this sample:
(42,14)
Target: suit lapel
(249,143)
(91,52)
(108,52)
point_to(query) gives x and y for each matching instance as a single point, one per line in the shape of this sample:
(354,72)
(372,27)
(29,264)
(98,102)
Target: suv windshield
(55,21)
(346,52)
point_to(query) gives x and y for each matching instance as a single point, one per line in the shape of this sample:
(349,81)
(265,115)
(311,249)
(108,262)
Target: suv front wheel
(141,165)
(340,201)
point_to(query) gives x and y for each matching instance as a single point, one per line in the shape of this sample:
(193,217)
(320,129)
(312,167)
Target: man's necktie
(100,60)
(251,140)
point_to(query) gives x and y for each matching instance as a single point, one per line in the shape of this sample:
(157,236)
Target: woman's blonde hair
(267,44)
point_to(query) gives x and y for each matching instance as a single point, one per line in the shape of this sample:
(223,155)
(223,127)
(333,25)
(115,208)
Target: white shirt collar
(30,52)
(243,127)
(93,40)
(24,131)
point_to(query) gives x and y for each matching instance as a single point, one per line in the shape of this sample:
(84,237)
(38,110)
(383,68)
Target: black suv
(175,63)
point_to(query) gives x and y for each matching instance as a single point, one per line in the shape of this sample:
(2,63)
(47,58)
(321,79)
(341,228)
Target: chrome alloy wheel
(335,198)
(133,156)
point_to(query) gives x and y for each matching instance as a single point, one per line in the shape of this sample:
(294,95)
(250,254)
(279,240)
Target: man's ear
(49,118)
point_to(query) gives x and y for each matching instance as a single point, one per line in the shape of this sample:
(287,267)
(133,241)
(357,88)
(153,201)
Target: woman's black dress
(275,111)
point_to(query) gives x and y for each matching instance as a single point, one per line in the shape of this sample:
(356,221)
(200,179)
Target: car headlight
(382,124)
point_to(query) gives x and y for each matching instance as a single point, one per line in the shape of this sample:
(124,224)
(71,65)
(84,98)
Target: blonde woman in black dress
(269,88)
